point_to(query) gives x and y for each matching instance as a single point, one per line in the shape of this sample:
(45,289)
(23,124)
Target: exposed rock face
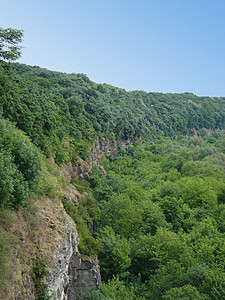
(58,277)
(70,193)
(84,273)
(102,146)
(71,272)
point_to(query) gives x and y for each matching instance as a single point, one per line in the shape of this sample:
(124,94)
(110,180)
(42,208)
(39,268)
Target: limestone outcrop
(102,146)
(70,271)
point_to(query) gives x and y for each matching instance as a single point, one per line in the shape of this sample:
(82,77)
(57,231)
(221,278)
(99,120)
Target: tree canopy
(10,39)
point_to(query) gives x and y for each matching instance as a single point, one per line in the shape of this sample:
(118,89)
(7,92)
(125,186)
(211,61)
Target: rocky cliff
(42,244)
(102,146)
(70,271)
(44,239)
(46,242)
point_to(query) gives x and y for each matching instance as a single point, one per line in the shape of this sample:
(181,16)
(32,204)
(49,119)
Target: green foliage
(153,217)
(114,254)
(84,218)
(199,169)
(167,206)
(122,215)
(174,211)
(48,184)
(197,274)
(102,192)
(13,188)
(89,294)
(95,177)
(9,43)
(91,209)
(186,292)
(168,276)
(62,112)
(150,252)
(116,289)
(197,192)
(81,185)
(20,166)
(158,213)
(219,215)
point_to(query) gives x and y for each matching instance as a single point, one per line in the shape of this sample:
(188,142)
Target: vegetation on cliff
(156,218)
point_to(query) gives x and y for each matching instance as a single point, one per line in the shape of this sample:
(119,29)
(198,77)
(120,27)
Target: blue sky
(163,46)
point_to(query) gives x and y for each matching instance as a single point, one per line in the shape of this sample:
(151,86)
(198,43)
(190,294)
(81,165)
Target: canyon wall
(46,237)
(71,271)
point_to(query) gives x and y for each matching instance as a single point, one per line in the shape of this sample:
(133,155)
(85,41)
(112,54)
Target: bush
(186,292)
(20,166)
(87,244)
(13,187)
(114,254)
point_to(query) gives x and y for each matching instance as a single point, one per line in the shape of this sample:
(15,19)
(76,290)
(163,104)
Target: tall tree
(10,39)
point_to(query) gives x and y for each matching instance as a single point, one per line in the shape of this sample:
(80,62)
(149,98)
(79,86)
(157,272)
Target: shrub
(20,166)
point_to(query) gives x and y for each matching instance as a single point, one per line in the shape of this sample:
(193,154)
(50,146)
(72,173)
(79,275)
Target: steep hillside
(138,178)
(62,112)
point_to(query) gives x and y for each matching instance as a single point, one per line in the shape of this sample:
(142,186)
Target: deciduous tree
(10,39)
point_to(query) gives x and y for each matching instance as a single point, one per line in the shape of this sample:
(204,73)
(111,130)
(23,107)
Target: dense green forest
(61,113)
(159,211)
(161,220)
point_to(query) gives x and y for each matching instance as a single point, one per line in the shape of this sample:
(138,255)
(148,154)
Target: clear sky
(161,45)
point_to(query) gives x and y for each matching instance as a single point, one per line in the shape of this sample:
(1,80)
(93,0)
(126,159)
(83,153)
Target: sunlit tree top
(10,39)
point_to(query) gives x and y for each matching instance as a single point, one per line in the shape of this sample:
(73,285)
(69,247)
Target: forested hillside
(155,216)
(61,112)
